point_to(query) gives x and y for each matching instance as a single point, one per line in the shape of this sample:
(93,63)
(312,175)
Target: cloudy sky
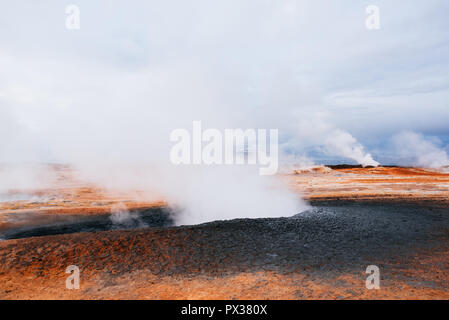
(137,69)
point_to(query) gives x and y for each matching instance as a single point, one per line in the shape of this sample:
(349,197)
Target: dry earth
(395,218)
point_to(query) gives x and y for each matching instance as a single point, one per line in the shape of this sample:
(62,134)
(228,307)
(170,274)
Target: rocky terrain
(394,218)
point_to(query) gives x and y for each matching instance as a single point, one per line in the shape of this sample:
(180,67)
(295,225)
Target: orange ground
(40,275)
(382,183)
(41,271)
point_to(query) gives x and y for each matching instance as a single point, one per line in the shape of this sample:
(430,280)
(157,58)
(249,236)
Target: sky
(114,89)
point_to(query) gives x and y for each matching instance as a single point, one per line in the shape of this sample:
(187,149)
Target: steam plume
(418,150)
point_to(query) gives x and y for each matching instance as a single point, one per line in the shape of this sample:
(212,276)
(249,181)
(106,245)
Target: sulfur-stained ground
(394,218)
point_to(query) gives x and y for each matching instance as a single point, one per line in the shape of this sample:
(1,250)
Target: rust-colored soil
(368,184)
(175,263)
(157,265)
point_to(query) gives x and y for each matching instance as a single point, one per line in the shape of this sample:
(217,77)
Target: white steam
(231,192)
(420,151)
(105,98)
(342,143)
(316,130)
(122,217)
(24,177)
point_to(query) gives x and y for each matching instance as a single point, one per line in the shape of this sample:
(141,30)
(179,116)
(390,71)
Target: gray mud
(330,235)
(331,239)
(153,217)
